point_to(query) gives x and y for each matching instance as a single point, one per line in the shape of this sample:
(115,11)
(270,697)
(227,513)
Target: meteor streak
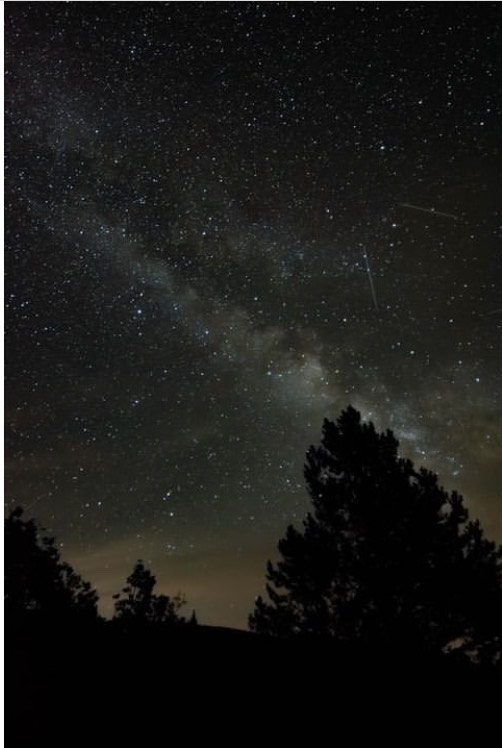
(431,211)
(370,278)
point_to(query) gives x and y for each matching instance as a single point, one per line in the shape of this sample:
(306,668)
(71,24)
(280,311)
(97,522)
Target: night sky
(225,222)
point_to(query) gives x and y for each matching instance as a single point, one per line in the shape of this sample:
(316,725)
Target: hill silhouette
(137,688)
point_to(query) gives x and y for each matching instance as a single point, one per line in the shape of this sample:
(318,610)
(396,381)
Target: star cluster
(225,222)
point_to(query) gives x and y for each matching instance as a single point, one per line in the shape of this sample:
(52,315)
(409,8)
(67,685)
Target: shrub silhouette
(387,557)
(137,603)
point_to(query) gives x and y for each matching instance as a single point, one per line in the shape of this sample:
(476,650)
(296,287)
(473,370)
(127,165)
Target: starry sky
(226,221)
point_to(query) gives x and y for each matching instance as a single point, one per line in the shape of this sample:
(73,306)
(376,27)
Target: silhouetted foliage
(137,603)
(387,557)
(36,580)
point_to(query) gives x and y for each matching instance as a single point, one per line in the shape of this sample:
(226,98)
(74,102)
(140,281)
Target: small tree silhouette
(137,603)
(387,556)
(36,580)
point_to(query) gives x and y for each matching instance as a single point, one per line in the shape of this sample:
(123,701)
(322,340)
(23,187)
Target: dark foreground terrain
(67,686)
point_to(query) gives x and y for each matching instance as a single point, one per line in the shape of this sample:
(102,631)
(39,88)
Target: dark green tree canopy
(137,603)
(36,580)
(386,556)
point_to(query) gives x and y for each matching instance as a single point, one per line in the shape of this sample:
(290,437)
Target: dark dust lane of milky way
(225,222)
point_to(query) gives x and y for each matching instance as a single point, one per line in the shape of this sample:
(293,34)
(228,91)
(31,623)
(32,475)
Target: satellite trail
(370,278)
(431,211)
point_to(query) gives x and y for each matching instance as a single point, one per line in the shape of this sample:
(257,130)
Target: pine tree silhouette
(36,580)
(387,557)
